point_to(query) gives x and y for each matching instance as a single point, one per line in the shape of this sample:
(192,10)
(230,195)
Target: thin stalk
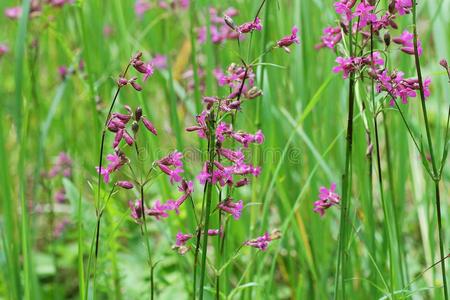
(435,176)
(380,177)
(144,231)
(341,266)
(207,211)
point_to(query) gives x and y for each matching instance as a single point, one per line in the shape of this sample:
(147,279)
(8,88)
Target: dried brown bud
(229,21)
(253,93)
(387,39)
(135,127)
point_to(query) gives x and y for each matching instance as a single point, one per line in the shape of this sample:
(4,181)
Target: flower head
(327,198)
(286,41)
(233,208)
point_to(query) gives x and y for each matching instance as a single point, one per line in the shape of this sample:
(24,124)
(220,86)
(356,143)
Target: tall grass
(386,240)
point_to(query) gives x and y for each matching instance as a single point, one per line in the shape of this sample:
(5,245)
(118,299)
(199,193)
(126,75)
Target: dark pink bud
(136,86)
(149,126)
(118,138)
(128,139)
(235,104)
(193,128)
(125,184)
(122,117)
(122,81)
(444,63)
(242,182)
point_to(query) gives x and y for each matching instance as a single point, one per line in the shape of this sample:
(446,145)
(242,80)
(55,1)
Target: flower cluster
(263,241)
(15,12)
(327,199)
(369,22)
(288,40)
(63,168)
(142,6)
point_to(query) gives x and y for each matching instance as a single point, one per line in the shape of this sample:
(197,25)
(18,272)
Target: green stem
(435,176)
(207,211)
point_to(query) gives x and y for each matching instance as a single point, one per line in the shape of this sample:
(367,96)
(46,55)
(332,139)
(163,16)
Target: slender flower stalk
(435,175)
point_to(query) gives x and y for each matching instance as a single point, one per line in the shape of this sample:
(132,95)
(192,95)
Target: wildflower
(344,8)
(364,12)
(141,7)
(3,49)
(250,26)
(233,208)
(286,41)
(159,61)
(327,198)
(116,161)
(63,165)
(13,12)
(63,72)
(60,196)
(59,227)
(125,184)
(182,238)
(403,6)
(204,175)
(260,243)
(406,40)
(136,209)
(160,210)
(215,232)
(331,36)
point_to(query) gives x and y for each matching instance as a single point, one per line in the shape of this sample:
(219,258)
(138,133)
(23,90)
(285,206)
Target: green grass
(392,232)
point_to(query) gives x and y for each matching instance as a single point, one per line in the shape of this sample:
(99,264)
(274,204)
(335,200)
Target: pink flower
(403,6)
(182,238)
(3,49)
(148,71)
(13,12)
(173,159)
(116,162)
(204,176)
(331,36)
(159,61)
(344,8)
(60,196)
(233,208)
(426,87)
(136,209)
(364,12)
(345,65)
(250,26)
(141,6)
(260,243)
(174,174)
(125,184)
(406,39)
(160,210)
(327,198)
(286,41)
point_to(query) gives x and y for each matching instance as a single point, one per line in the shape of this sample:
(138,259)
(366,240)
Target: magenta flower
(174,175)
(182,238)
(204,175)
(116,162)
(406,39)
(60,196)
(160,210)
(364,12)
(286,41)
(260,243)
(3,49)
(13,12)
(136,209)
(141,7)
(345,65)
(233,208)
(403,6)
(331,36)
(250,26)
(159,61)
(327,198)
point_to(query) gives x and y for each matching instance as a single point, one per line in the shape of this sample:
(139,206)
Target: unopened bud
(138,113)
(122,81)
(444,63)
(125,184)
(135,127)
(229,21)
(387,39)
(392,7)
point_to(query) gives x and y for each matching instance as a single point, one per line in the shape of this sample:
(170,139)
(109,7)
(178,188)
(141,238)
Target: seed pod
(387,39)
(138,113)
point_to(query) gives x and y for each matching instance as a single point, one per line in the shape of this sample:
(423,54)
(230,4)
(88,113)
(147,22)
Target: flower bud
(122,81)
(392,9)
(387,39)
(149,126)
(136,86)
(229,21)
(138,113)
(444,63)
(135,127)
(125,184)
(128,139)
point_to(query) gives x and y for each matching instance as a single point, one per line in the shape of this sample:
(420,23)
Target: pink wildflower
(250,26)
(233,208)
(286,41)
(406,40)
(260,243)
(327,198)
